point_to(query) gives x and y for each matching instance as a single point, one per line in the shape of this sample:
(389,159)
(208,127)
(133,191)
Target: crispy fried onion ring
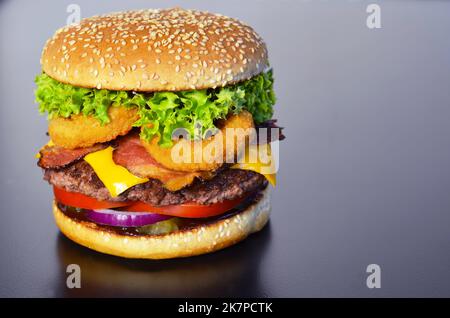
(84,131)
(207,154)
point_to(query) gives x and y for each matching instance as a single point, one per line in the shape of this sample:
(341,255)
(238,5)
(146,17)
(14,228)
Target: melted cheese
(258,166)
(116,178)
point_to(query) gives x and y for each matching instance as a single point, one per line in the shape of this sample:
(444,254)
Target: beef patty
(228,184)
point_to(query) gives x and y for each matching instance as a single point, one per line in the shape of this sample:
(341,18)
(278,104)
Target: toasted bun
(155,50)
(200,240)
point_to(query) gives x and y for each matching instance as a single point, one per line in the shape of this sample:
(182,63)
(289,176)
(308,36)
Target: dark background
(364,174)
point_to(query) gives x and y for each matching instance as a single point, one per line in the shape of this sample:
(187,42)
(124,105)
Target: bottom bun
(199,240)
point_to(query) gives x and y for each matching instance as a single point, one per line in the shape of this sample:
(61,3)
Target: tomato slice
(79,200)
(186,210)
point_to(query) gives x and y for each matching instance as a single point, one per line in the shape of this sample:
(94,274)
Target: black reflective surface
(364,171)
(236,271)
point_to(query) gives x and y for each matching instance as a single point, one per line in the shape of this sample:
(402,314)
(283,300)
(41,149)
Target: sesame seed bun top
(155,50)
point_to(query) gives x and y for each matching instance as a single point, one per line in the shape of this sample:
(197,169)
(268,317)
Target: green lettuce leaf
(165,111)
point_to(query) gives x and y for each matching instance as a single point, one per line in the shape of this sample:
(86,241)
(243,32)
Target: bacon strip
(58,157)
(130,152)
(132,155)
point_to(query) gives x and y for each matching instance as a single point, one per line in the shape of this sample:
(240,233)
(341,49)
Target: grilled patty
(228,184)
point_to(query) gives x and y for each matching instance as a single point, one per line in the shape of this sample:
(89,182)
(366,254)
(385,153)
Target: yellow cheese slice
(116,178)
(257,165)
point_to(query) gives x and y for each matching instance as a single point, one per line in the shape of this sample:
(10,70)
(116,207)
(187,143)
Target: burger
(139,105)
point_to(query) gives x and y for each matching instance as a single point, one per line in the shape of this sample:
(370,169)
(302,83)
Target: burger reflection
(230,272)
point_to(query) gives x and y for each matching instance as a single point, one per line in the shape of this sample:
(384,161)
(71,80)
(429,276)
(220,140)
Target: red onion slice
(124,218)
